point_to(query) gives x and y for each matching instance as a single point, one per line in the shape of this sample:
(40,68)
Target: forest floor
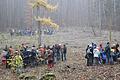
(75,67)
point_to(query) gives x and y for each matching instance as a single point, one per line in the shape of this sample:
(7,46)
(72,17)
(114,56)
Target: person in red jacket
(50,59)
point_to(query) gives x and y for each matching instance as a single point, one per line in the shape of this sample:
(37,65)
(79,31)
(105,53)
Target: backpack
(7,56)
(104,56)
(89,50)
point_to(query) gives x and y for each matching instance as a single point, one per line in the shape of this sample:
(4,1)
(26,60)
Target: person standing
(3,57)
(33,57)
(101,53)
(18,61)
(58,47)
(96,53)
(11,51)
(50,59)
(107,51)
(89,55)
(64,52)
(54,54)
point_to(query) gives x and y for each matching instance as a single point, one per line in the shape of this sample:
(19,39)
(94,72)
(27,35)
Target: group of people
(26,56)
(22,32)
(48,31)
(97,55)
(30,32)
(33,56)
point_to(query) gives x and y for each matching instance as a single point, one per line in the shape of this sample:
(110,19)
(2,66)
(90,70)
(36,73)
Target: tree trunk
(39,30)
(39,34)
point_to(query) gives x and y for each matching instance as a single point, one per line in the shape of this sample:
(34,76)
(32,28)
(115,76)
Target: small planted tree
(43,21)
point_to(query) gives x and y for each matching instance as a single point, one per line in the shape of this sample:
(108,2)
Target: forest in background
(92,13)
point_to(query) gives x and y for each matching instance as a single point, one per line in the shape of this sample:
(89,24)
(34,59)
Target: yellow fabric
(18,61)
(15,62)
(11,62)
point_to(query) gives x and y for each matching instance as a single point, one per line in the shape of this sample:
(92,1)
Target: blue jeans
(107,58)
